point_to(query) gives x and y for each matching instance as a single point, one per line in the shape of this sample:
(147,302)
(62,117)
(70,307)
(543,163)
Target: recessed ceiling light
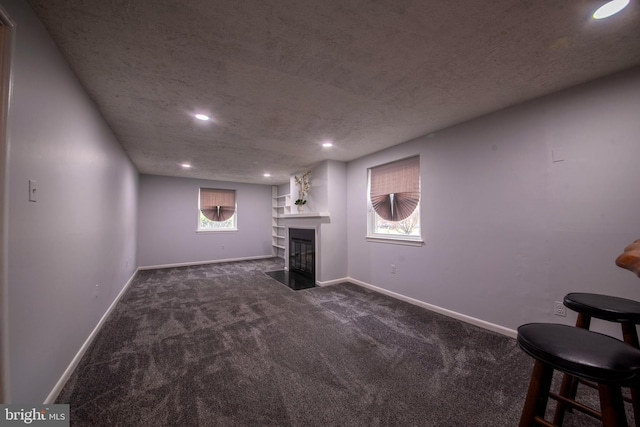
(202,117)
(327,144)
(610,8)
(267,175)
(186,165)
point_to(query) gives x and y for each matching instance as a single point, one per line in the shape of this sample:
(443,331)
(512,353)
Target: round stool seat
(604,307)
(581,352)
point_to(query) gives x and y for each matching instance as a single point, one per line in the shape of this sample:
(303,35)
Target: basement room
(330,213)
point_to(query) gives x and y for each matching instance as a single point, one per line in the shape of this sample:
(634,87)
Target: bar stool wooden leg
(569,387)
(583,321)
(630,336)
(635,396)
(537,395)
(611,406)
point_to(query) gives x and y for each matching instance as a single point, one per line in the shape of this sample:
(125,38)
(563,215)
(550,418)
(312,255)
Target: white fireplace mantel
(306,215)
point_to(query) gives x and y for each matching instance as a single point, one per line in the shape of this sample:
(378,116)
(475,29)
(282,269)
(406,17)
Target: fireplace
(302,252)
(302,260)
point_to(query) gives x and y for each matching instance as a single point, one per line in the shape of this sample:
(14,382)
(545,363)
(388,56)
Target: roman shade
(395,188)
(217,205)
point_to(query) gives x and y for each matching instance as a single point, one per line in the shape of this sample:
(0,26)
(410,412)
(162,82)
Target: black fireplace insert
(302,252)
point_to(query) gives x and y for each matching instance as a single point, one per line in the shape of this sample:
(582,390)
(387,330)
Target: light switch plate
(32,190)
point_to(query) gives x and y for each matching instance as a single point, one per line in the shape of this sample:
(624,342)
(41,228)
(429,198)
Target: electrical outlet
(559,309)
(393,269)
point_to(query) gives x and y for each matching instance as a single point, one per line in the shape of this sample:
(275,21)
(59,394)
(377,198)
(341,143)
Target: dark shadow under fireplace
(302,260)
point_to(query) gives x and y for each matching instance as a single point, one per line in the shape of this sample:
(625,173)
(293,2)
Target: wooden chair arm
(630,258)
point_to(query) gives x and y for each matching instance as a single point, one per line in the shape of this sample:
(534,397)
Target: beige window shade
(217,205)
(395,189)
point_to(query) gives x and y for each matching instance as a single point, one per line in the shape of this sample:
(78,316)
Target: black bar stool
(605,307)
(581,353)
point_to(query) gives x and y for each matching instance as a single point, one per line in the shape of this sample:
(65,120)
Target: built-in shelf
(281,211)
(280,206)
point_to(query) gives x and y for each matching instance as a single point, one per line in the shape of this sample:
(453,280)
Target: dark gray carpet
(226,345)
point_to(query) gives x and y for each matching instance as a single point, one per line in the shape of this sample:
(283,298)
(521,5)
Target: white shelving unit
(280,206)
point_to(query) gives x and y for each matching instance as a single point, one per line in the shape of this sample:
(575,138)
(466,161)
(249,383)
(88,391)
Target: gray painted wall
(333,263)
(81,231)
(168,215)
(507,230)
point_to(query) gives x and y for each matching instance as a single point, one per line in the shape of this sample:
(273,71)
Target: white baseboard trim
(459,316)
(215,261)
(332,282)
(51,398)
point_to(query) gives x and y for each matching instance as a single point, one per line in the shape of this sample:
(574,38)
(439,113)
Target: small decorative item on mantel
(303,189)
(300,204)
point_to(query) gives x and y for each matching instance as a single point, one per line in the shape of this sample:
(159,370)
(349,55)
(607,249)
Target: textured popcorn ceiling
(281,76)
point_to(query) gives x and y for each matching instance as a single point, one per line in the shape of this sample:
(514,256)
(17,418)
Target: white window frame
(232,228)
(397,239)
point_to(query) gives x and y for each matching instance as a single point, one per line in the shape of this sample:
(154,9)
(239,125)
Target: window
(217,210)
(394,202)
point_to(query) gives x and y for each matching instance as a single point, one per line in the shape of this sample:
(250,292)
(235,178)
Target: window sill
(216,231)
(395,241)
